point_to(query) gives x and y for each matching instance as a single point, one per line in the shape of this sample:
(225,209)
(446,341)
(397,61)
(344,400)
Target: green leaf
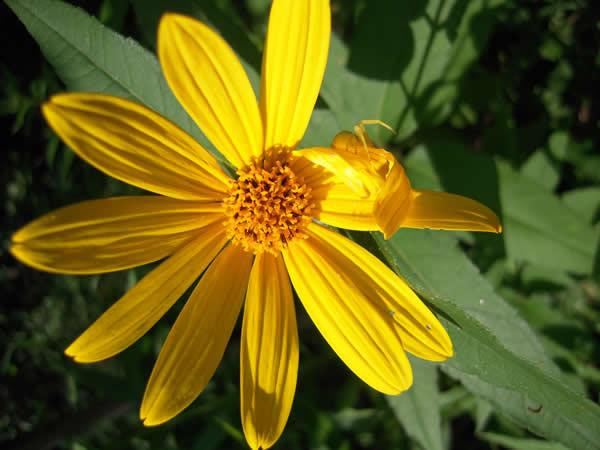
(497,356)
(540,169)
(432,263)
(596,270)
(558,144)
(418,409)
(405,61)
(538,227)
(565,339)
(352,419)
(321,130)
(89,57)
(519,443)
(483,413)
(534,276)
(585,202)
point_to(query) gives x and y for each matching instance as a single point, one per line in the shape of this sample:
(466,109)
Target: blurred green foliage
(492,99)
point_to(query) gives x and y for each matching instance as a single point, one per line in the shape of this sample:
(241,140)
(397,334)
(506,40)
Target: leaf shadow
(475,176)
(374,49)
(400,43)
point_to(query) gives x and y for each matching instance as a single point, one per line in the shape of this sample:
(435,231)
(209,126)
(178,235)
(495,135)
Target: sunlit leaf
(515,443)
(418,409)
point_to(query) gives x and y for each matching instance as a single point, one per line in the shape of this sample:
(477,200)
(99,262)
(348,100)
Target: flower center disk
(268,206)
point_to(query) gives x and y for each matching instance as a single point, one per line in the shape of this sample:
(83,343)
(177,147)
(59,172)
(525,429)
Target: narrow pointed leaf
(498,357)
(89,57)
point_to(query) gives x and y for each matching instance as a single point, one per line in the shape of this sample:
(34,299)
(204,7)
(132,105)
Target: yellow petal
(345,305)
(134,144)
(112,234)
(196,343)
(419,330)
(269,352)
(209,81)
(355,170)
(343,192)
(443,211)
(293,65)
(393,200)
(144,304)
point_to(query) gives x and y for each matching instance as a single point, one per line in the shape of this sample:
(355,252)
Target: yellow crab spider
(351,141)
(361,132)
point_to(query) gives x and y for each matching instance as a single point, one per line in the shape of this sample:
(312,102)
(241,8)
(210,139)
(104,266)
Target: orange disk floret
(268,205)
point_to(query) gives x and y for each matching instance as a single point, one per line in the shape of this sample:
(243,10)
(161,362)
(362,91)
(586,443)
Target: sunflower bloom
(248,240)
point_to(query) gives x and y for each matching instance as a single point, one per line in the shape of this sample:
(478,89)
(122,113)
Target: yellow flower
(244,238)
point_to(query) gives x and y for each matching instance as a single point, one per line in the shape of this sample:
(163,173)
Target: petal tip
(148,418)
(144,414)
(69,351)
(167,21)
(494,222)
(169,17)
(402,385)
(52,110)
(388,228)
(446,351)
(13,247)
(79,355)
(147,422)
(446,348)
(395,384)
(48,107)
(17,238)
(19,251)
(72,352)
(57,100)
(398,389)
